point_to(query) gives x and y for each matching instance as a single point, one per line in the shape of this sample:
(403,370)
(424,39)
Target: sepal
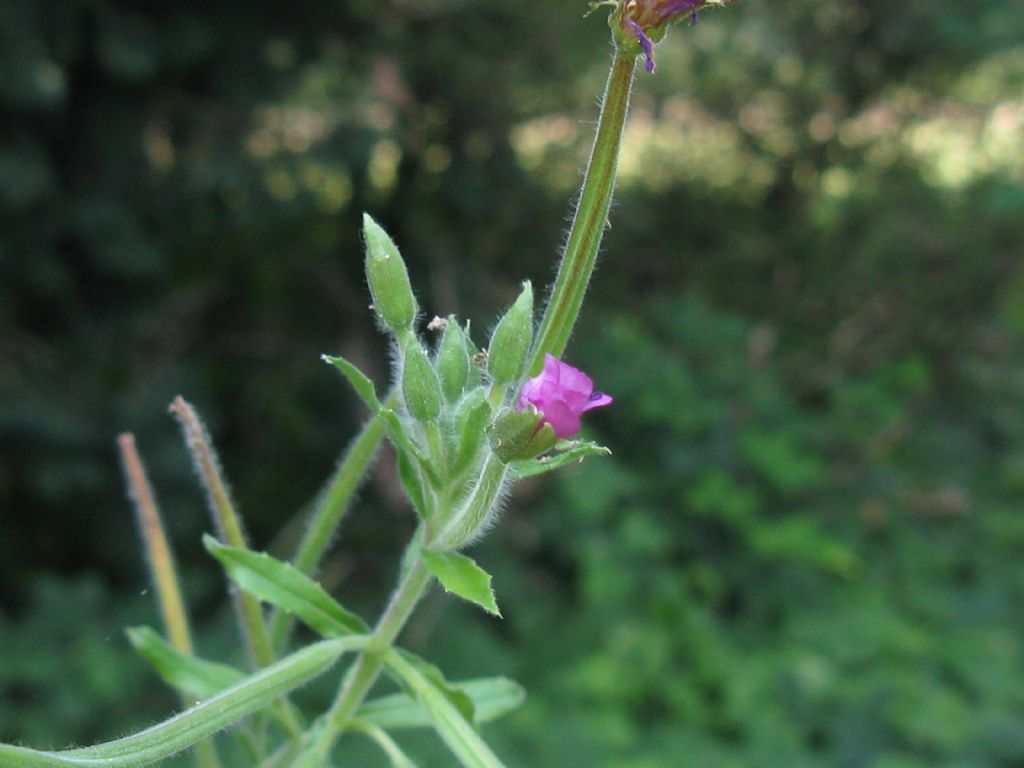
(519,435)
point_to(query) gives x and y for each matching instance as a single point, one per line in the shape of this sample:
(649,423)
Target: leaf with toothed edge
(461,576)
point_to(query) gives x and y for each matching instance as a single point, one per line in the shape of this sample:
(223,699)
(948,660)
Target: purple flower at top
(643,17)
(562,394)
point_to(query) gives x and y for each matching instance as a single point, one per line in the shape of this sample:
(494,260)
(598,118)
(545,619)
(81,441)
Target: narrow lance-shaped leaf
(461,576)
(359,381)
(182,672)
(451,724)
(433,673)
(492,697)
(573,452)
(472,416)
(283,585)
(368,394)
(204,719)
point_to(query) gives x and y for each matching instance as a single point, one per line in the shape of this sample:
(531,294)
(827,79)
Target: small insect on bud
(392,294)
(511,340)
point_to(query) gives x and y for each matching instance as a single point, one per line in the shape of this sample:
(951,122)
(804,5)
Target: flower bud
(511,340)
(389,281)
(453,361)
(519,435)
(562,394)
(420,386)
(638,25)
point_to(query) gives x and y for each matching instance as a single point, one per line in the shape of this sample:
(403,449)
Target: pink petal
(563,419)
(598,400)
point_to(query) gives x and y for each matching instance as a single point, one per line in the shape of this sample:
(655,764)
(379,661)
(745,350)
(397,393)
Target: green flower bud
(518,435)
(453,361)
(420,387)
(511,340)
(389,281)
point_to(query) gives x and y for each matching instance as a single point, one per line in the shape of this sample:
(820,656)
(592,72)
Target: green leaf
(402,443)
(204,719)
(283,585)
(457,698)
(492,697)
(187,674)
(461,576)
(576,451)
(472,416)
(413,484)
(359,381)
(450,723)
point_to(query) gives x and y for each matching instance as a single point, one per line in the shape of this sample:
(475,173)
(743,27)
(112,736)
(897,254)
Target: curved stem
(591,216)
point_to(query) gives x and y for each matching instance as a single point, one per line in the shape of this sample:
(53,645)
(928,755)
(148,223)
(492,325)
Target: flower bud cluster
(467,421)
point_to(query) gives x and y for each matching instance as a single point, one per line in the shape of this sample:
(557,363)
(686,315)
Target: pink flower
(562,394)
(648,19)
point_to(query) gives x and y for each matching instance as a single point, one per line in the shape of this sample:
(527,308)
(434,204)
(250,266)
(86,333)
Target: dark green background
(808,547)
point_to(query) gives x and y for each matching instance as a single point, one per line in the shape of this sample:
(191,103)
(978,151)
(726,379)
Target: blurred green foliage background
(808,547)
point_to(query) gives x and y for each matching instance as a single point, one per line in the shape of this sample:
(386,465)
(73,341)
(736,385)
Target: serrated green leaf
(359,381)
(451,725)
(461,576)
(204,719)
(492,697)
(576,451)
(187,674)
(283,585)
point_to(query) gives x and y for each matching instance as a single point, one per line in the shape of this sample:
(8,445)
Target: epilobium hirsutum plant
(465,424)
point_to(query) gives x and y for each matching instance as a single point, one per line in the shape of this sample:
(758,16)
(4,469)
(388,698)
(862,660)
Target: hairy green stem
(591,217)
(467,521)
(229,527)
(162,570)
(204,719)
(367,667)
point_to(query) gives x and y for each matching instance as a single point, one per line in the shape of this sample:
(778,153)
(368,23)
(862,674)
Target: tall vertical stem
(366,668)
(591,217)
